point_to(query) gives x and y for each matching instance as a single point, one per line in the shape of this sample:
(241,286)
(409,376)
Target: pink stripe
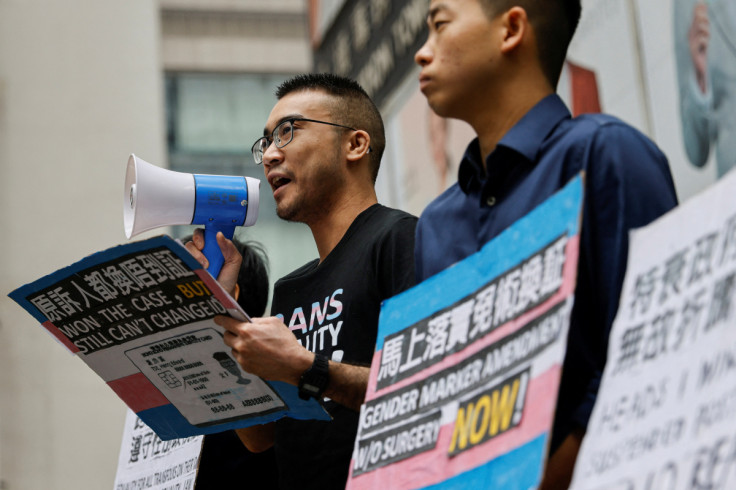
(569,275)
(370,393)
(570,269)
(436,466)
(137,392)
(215,288)
(60,336)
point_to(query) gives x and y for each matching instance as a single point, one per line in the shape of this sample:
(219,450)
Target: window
(212,121)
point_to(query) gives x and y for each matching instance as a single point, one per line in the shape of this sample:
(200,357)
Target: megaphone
(155,197)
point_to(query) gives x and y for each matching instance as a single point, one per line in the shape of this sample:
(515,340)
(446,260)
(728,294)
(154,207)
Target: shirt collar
(470,175)
(524,138)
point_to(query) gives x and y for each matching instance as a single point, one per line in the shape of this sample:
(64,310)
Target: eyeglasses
(282,136)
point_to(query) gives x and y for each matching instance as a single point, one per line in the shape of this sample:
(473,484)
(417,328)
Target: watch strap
(314,380)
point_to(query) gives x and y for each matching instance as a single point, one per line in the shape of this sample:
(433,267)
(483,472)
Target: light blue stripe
(556,216)
(520,469)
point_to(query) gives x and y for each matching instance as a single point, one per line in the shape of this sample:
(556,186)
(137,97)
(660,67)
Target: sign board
(374,43)
(464,380)
(665,417)
(147,462)
(141,316)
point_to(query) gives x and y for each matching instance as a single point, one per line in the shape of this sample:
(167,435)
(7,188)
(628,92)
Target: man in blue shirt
(495,64)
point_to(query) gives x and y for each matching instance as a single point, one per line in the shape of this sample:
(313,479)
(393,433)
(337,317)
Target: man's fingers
(197,254)
(228,276)
(195,247)
(230,339)
(228,323)
(198,238)
(266,320)
(227,247)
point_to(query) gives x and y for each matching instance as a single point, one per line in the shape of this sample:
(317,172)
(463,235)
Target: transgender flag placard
(141,316)
(463,384)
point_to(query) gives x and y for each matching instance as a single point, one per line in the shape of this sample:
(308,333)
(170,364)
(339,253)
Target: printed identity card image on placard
(463,383)
(198,363)
(141,316)
(665,417)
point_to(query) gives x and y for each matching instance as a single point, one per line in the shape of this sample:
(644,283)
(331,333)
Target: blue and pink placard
(141,316)
(464,380)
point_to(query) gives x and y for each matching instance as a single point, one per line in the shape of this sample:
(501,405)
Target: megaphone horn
(155,197)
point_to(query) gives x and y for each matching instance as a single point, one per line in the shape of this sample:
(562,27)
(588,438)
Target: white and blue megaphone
(157,197)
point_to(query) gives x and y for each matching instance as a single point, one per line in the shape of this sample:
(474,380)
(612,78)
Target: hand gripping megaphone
(157,197)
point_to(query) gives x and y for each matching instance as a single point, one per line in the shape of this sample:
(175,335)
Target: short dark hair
(252,278)
(554,22)
(353,107)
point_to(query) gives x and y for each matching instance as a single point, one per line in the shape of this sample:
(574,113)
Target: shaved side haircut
(352,107)
(554,22)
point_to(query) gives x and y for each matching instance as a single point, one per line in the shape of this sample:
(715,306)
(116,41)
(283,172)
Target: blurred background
(188,85)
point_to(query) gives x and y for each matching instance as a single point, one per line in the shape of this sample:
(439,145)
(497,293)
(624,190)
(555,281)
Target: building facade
(83,83)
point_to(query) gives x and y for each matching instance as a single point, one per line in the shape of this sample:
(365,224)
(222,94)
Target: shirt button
(490,200)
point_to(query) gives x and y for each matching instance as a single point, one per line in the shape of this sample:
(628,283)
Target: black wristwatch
(314,380)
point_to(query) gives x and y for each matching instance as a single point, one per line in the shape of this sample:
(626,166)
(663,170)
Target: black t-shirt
(333,309)
(225,464)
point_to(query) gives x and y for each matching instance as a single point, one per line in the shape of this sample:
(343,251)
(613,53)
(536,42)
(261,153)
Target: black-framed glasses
(282,136)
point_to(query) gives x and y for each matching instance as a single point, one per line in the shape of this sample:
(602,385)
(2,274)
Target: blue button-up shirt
(627,185)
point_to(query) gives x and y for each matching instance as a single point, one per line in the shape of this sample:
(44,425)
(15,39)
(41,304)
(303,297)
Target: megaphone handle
(211,249)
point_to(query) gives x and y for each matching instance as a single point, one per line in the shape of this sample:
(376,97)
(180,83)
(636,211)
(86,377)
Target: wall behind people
(80,88)
(633,58)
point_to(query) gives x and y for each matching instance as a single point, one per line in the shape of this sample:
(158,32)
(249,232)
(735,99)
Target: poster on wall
(683,61)
(704,41)
(674,79)
(665,416)
(141,316)
(147,462)
(463,383)
(608,70)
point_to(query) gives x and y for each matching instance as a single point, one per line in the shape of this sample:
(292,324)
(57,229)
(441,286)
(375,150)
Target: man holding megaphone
(321,150)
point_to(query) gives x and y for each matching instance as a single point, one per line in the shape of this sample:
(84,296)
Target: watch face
(312,388)
(307,391)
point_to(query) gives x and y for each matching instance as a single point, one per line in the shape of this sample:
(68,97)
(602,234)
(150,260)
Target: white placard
(147,462)
(665,417)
